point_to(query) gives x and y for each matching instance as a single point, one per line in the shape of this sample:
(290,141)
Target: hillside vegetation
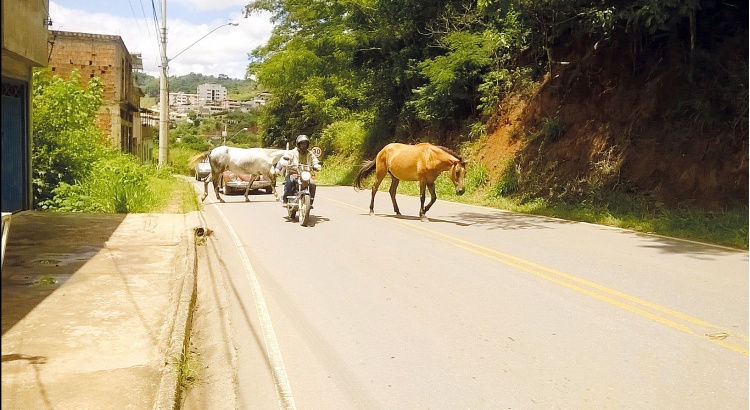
(238,89)
(566,100)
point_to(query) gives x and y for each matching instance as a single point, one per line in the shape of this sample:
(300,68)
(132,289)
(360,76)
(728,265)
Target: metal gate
(14,146)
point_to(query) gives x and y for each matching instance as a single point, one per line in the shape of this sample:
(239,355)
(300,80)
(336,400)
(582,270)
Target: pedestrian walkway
(95,309)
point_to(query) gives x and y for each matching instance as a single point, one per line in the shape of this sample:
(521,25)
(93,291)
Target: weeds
(509,182)
(187,368)
(551,129)
(338,170)
(46,280)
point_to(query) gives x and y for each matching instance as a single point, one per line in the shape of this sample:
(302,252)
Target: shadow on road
(44,250)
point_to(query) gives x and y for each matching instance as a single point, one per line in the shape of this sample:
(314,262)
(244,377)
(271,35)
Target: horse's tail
(192,162)
(364,172)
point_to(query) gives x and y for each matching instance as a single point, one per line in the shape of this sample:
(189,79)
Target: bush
(179,157)
(509,182)
(118,184)
(66,143)
(552,129)
(344,137)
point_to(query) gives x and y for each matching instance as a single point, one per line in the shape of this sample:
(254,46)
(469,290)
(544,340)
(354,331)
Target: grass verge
(173,195)
(725,228)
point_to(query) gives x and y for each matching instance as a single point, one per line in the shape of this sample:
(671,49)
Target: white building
(181,98)
(211,92)
(231,105)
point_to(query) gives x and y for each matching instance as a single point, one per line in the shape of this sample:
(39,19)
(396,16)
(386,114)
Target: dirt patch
(503,143)
(648,124)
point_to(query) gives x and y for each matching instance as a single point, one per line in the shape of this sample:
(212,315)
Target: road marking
(283,388)
(652,311)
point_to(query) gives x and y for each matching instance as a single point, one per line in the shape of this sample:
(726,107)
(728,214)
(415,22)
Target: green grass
(173,195)
(726,228)
(187,368)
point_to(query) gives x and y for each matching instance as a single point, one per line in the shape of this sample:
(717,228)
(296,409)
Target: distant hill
(236,89)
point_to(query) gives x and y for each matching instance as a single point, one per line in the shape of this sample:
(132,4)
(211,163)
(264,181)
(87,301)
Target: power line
(153,43)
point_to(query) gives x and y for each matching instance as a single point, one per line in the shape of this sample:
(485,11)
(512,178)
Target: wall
(106,57)
(24,46)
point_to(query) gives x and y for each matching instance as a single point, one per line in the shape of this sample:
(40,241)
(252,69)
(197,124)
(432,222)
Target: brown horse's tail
(364,172)
(192,162)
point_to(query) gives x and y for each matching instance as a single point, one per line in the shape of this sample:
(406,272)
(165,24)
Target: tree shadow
(44,250)
(697,250)
(494,220)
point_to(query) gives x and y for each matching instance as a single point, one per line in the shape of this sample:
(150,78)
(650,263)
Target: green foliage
(451,77)
(338,170)
(66,143)
(509,181)
(477,176)
(74,168)
(344,137)
(551,129)
(238,89)
(118,184)
(179,156)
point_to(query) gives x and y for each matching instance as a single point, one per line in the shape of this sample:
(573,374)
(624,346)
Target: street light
(225,137)
(163,87)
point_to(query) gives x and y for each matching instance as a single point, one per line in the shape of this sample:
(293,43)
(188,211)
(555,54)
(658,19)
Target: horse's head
(458,172)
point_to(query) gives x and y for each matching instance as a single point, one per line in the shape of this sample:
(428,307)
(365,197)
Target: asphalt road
(477,308)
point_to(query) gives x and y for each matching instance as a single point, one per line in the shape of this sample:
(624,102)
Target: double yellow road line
(660,314)
(644,308)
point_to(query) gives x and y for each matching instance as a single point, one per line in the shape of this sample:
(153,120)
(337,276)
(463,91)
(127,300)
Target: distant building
(231,105)
(107,57)
(211,92)
(181,98)
(24,37)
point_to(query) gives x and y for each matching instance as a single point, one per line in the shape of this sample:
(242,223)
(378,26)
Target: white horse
(252,161)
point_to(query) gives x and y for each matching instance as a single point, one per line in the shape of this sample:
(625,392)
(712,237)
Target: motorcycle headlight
(306,175)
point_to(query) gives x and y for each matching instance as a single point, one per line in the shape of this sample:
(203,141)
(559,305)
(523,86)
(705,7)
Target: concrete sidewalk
(96,309)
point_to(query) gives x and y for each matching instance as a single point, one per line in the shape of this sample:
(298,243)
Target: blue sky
(222,52)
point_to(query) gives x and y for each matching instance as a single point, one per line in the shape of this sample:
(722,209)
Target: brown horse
(420,162)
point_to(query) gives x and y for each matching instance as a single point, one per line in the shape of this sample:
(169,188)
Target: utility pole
(163,92)
(164,89)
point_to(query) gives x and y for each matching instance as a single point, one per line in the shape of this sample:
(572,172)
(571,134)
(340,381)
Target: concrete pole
(163,92)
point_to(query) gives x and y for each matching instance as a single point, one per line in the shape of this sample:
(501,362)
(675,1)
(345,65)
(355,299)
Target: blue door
(14,147)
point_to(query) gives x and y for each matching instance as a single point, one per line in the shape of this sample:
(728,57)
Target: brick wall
(106,57)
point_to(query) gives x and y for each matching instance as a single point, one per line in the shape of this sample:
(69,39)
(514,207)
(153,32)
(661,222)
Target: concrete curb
(168,394)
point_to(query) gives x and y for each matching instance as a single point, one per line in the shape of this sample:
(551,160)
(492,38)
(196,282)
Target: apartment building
(107,57)
(211,92)
(181,98)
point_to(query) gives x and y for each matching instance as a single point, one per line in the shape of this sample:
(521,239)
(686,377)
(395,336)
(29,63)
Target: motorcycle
(299,199)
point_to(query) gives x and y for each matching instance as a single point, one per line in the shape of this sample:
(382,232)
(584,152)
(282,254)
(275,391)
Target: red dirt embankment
(647,123)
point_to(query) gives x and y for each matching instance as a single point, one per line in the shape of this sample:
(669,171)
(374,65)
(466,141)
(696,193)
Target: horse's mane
(451,152)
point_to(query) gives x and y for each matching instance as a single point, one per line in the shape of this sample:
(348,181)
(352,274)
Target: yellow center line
(610,296)
(596,290)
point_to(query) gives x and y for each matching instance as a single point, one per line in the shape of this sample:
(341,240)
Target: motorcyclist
(299,155)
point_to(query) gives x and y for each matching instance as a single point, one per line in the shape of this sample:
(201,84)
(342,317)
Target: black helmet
(303,138)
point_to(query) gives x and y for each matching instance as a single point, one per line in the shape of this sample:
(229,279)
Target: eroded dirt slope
(647,121)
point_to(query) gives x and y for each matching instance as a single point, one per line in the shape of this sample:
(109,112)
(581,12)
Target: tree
(66,142)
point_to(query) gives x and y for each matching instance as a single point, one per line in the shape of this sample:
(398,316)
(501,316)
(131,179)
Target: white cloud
(213,4)
(222,52)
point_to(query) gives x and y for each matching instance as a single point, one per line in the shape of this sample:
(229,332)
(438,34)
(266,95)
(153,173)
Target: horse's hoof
(424,218)
(372,213)
(222,201)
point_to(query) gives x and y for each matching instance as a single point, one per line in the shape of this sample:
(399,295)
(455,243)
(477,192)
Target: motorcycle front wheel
(304,209)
